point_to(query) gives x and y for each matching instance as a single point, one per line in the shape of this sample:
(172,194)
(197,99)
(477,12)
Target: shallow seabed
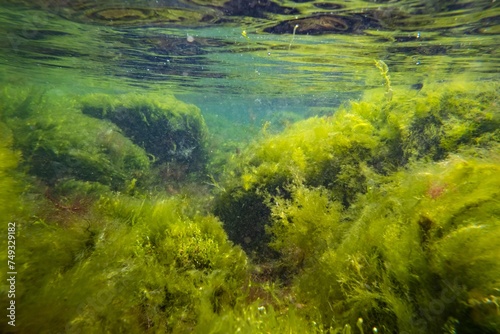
(264,166)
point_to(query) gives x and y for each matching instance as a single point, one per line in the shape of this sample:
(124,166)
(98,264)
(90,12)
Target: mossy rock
(245,215)
(81,148)
(344,152)
(59,143)
(168,129)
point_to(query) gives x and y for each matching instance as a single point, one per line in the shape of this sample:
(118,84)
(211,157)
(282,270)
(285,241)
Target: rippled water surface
(260,56)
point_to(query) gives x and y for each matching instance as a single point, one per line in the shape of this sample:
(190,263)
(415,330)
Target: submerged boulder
(59,143)
(170,130)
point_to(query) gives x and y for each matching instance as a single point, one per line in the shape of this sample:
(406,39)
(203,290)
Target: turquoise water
(196,49)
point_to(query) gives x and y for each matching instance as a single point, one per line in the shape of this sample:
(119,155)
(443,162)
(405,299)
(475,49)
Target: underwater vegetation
(9,187)
(59,143)
(381,217)
(354,147)
(126,265)
(374,210)
(417,253)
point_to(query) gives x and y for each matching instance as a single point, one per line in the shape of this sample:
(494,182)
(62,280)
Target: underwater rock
(325,24)
(59,143)
(168,129)
(259,9)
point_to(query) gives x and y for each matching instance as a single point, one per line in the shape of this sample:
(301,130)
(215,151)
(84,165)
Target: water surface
(262,57)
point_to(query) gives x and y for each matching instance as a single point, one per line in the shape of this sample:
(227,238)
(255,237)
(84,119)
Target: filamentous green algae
(374,210)
(381,217)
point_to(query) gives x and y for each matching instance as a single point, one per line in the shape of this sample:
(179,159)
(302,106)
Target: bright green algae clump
(128,266)
(386,211)
(350,150)
(417,253)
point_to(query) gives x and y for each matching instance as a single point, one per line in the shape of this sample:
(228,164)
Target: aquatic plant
(384,71)
(399,258)
(10,206)
(345,152)
(9,187)
(141,265)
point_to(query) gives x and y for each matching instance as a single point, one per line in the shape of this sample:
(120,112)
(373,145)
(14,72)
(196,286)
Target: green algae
(375,209)
(158,266)
(408,256)
(125,142)
(386,211)
(9,188)
(360,141)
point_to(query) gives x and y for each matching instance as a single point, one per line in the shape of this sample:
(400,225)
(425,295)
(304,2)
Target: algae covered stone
(59,143)
(168,129)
